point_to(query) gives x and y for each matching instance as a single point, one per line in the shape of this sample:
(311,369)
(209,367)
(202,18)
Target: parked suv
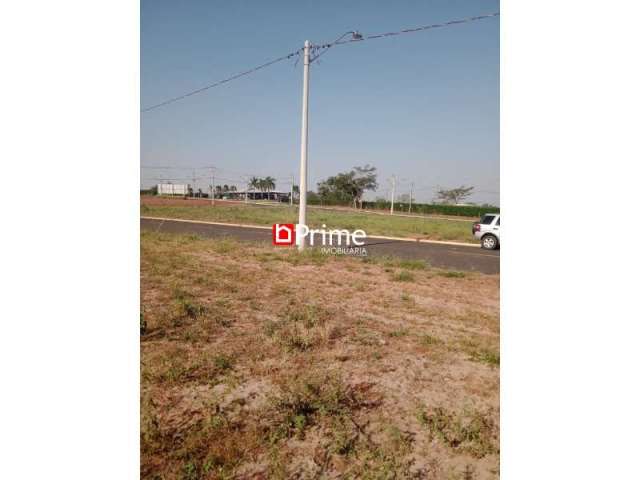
(488,231)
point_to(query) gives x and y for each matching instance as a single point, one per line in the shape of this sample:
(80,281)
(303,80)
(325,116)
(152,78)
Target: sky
(421,106)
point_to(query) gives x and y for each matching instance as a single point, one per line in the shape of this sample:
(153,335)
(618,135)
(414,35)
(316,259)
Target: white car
(487,230)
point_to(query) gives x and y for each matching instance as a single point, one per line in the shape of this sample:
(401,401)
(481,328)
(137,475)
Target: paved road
(438,255)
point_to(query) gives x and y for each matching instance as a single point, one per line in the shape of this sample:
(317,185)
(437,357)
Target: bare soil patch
(260,362)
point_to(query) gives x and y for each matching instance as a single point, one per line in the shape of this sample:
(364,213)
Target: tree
(254,182)
(348,187)
(269,183)
(455,195)
(225,188)
(233,188)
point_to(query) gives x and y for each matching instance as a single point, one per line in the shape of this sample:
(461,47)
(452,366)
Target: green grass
(429,228)
(452,274)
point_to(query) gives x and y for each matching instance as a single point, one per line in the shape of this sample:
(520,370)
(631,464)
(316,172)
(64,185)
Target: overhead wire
(221,82)
(361,38)
(357,37)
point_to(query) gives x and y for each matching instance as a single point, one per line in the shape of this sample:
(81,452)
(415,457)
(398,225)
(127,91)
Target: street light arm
(355,35)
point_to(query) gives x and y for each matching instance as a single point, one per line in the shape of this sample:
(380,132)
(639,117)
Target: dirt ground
(259,362)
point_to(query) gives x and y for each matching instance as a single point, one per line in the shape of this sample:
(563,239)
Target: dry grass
(260,362)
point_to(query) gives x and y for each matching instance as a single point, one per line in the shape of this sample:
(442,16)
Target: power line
(356,37)
(234,172)
(360,38)
(216,84)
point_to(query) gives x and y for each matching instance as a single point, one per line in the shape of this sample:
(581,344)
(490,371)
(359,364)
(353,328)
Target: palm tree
(254,182)
(269,183)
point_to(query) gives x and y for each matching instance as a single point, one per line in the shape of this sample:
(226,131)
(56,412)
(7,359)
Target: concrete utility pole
(291,198)
(393,191)
(411,197)
(304,143)
(213,188)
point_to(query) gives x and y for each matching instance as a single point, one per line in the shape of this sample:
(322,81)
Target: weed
(480,353)
(385,461)
(405,297)
(190,471)
(224,322)
(185,307)
(300,328)
(143,323)
(487,356)
(412,264)
(308,399)
(472,432)
(222,362)
(403,276)
(225,245)
(427,340)
(214,447)
(188,238)
(399,333)
(452,274)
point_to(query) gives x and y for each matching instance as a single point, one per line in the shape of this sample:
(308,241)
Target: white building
(173,189)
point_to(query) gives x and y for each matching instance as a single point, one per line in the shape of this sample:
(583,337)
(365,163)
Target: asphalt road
(455,257)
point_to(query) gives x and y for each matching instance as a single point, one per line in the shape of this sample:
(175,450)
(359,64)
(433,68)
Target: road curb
(381,237)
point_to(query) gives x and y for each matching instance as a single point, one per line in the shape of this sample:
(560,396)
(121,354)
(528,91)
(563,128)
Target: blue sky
(423,106)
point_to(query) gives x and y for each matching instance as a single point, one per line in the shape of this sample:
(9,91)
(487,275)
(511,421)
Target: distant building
(273,195)
(173,189)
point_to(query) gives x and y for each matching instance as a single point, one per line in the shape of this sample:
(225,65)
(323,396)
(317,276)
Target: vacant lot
(373,224)
(265,363)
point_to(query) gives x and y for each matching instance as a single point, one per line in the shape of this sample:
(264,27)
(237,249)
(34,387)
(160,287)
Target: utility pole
(304,143)
(411,197)
(291,198)
(213,188)
(246,193)
(193,189)
(393,191)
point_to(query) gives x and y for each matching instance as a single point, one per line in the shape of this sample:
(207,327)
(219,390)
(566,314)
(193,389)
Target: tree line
(348,188)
